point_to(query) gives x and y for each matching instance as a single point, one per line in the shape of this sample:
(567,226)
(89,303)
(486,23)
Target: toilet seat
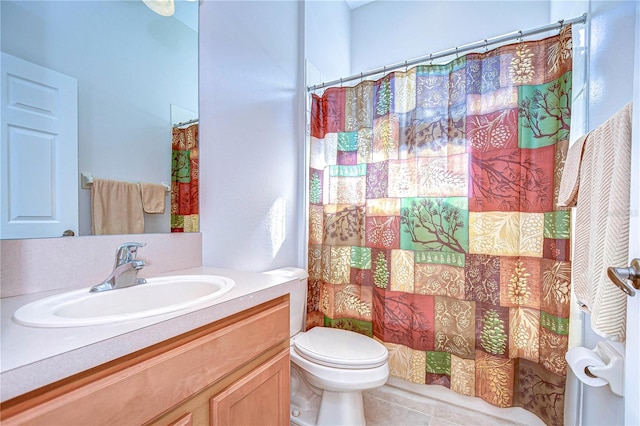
(337,348)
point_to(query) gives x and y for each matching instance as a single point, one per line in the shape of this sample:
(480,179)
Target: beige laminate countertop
(32,357)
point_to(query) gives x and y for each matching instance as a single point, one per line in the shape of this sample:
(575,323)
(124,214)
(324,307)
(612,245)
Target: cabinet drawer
(154,380)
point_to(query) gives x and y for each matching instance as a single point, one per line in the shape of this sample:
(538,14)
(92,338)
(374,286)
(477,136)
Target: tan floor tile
(390,406)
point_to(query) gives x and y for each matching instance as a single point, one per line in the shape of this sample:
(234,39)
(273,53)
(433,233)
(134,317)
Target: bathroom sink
(159,295)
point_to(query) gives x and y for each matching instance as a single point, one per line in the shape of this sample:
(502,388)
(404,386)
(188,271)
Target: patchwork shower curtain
(433,224)
(184,180)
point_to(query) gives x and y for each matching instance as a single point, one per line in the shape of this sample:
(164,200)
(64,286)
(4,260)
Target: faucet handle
(127,252)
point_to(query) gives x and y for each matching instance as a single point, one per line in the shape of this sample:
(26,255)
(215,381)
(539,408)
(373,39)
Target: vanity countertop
(32,357)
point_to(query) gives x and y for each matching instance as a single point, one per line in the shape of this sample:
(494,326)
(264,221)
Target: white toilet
(329,367)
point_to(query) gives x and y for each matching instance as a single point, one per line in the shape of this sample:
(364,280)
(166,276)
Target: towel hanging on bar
(116,208)
(596,180)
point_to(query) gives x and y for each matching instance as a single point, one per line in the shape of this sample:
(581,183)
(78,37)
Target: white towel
(602,221)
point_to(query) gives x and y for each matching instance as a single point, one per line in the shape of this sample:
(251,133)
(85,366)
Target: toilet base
(311,406)
(332,409)
(304,417)
(341,408)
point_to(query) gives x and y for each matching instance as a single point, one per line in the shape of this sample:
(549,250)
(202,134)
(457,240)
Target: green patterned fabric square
(348,171)
(180,166)
(557,224)
(348,141)
(177,221)
(435,224)
(361,257)
(315,188)
(359,326)
(555,324)
(544,113)
(442,69)
(441,257)
(439,362)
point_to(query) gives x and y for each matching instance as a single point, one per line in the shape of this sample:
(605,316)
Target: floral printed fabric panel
(184,180)
(433,224)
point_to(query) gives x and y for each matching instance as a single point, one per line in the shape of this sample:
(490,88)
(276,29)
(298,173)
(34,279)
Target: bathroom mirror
(137,75)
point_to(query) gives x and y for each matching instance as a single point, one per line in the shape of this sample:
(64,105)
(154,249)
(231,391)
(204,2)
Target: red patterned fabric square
(403,318)
(493,131)
(383,231)
(512,180)
(335,110)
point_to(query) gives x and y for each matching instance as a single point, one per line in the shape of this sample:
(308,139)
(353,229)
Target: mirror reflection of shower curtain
(184,179)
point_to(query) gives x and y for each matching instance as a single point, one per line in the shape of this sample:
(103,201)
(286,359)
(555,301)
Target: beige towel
(602,223)
(567,195)
(116,208)
(153,197)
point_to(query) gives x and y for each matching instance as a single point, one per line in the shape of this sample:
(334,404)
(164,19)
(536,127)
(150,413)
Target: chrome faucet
(125,270)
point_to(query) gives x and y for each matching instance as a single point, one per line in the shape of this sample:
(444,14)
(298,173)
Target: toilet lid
(339,348)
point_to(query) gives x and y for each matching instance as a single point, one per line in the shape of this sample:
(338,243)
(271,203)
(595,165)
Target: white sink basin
(158,296)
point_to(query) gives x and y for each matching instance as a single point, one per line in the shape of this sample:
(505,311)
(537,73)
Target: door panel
(632,357)
(39,151)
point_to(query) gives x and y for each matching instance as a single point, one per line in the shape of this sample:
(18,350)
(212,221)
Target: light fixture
(161,7)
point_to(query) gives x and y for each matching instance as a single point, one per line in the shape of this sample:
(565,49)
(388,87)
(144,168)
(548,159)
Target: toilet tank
(298,298)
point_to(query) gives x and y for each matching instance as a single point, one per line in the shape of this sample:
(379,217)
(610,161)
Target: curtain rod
(456,50)
(184,123)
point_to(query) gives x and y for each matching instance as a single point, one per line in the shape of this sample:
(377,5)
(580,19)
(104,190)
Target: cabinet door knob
(622,276)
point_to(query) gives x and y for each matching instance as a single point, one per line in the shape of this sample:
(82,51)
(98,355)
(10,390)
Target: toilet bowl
(330,368)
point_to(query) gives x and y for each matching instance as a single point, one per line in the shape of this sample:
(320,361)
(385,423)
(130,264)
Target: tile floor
(391,406)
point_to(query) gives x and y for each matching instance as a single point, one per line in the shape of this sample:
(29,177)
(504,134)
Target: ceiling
(353,4)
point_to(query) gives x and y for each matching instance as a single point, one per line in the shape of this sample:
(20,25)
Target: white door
(39,151)
(632,357)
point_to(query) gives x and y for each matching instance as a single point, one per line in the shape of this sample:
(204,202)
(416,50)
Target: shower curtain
(433,224)
(184,179)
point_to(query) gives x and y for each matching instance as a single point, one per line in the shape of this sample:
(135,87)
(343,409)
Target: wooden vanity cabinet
(231,372)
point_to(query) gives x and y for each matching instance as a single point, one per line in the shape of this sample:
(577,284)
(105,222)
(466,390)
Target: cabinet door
(259,398)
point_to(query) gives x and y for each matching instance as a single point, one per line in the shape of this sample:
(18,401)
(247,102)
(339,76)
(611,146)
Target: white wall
(124,127)
(251,133)
(386,32)
(610,39)
(327,29)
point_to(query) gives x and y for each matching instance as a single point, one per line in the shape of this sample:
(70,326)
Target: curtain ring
(406,67)
(340,81)
(360,77)
(486,45)
(456,51)
(561,22)
(520,38)
(430,58)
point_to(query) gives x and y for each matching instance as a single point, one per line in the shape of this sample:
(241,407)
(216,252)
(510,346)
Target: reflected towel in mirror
(153,197)
(116,208)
